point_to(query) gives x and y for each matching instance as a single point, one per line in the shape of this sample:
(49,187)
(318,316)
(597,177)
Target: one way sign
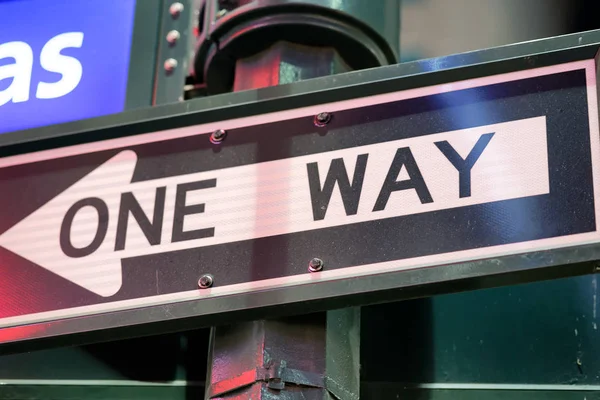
(83,233)
(400,181)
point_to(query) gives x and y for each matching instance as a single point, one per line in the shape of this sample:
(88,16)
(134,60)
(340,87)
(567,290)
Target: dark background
(584,16)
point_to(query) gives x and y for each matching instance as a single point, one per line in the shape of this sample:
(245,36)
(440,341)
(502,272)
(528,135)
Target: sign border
(342,273)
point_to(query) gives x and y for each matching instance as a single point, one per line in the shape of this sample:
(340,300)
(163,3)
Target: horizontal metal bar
(95,382)
(427,386)
(503,386)
(442,391)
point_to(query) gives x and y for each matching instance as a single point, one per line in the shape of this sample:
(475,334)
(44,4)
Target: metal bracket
(174,51)
(276,375)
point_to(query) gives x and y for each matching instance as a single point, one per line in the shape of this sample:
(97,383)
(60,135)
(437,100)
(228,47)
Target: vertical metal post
(308,357)
(313,356)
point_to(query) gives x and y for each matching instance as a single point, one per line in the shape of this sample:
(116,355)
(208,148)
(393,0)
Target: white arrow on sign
(84,233)
(36,238)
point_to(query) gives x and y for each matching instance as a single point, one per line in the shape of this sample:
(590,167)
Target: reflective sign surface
(463,171)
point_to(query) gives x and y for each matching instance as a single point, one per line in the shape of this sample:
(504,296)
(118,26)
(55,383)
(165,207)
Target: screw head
(173,36)
(315,265)
(221,14)
(170,64)
(205,281)
(322,119)
(218,136)
(176,9)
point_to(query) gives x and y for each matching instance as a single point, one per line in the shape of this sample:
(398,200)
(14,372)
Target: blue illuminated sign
(62,60)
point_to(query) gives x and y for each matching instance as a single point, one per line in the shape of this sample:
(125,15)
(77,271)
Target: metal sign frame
(538,265)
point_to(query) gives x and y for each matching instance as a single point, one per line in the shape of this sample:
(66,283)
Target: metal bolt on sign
(170,64)
(221,13)
(176,9)
(173,36)
(322,119)
(205,281)
(218,136)
(315,265)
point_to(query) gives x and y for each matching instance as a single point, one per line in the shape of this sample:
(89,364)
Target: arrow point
(36,237)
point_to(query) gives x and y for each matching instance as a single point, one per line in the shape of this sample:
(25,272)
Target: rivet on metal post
(173,36)
(322,119)
(170,64)
(315,265)
(217,136)
(176,9)
(205,281)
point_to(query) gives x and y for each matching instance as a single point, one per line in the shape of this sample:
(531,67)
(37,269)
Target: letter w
(320,196)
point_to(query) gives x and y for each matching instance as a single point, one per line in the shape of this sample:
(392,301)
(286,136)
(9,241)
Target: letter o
(65,230)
